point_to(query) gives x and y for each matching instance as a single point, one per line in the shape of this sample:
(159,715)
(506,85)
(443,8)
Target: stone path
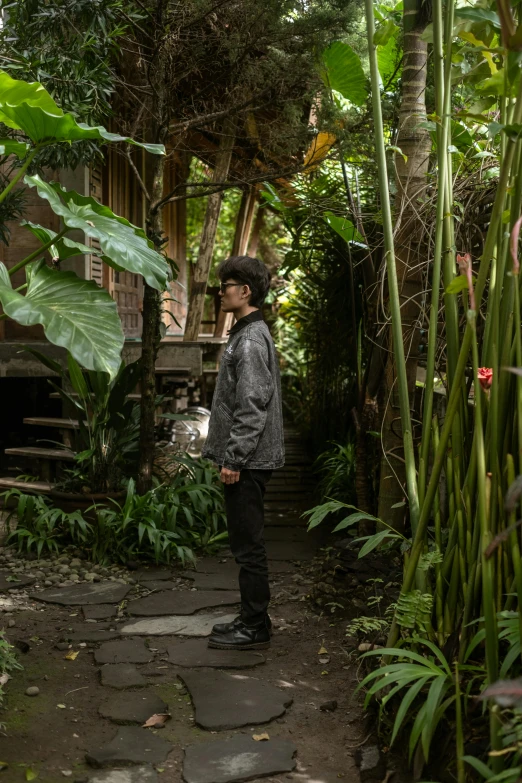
(214,716)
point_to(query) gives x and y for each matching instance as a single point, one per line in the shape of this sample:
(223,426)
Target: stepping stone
(237,759)
(213,565)
(132,707)
(133,775)
(226,580)
(126,651)
(198,625)
(10,581)
(280,567)
(228,701)
(91,635)
(194,652)
(99,612)
(131,745)
(97,593)
(152,574)
(286,534)
(156,585)
(289,550)
(121,675)
(181,602)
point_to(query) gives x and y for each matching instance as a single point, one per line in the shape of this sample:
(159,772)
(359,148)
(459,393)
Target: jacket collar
(255,315)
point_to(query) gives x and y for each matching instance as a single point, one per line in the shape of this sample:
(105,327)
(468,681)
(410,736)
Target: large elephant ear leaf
(343,72)
(27,106)
(76,314)
(123,245)
(63,248)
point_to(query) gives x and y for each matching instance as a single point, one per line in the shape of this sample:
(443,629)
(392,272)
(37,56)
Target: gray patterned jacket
(246,423)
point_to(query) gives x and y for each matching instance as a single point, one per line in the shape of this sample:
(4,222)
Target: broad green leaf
(123,245)
(318,513)
(458,284)
(373,541)
(478,15)
(14,92)
(495,85)
(76,376)
(436,692)
(344,72)
(388,58)
(12,147)
(479,767)
(406,704)
(75,314)
(384,33)
(344,227)
(353,519)
(64,248)
(29,107)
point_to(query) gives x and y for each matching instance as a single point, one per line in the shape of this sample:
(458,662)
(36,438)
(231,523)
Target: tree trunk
(415,144)
(150,340)
(208,236)
(152,306)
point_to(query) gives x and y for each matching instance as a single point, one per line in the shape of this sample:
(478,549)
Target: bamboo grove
(464,559)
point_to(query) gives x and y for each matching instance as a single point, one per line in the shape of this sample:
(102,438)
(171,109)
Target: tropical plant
(335,468)
(74,313)
(8,662)
(170,522)
(107,442)
(39,527)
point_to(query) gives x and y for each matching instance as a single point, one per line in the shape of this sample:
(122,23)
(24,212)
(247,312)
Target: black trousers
(245,522)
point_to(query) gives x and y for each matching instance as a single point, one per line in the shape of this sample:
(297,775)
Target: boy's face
(233,295)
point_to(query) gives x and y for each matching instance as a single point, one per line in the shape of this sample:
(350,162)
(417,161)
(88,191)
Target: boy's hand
(229,476)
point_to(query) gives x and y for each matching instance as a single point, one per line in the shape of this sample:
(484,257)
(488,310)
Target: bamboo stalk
(455,392)
(397,336)
(442,161)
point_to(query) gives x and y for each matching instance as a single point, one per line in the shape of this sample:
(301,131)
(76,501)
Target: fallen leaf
(323,672)
(4,678)
(72,655)
(61,706)
(323,651)
(324,659)
(261,737)
(160,769)
(156,720)
(30,774)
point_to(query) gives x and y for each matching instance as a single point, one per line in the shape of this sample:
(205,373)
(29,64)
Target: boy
(245,439)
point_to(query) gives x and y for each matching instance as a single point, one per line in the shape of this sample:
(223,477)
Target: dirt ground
(49,734)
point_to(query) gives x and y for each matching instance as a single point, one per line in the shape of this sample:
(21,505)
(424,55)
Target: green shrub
(8,662)
(336,471)
(169,522)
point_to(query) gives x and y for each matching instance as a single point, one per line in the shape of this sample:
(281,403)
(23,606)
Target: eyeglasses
(223,287)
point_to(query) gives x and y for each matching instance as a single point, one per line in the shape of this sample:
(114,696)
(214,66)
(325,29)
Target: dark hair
(249,271)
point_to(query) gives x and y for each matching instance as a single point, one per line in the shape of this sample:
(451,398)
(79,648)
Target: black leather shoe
(241,637)
(227,627)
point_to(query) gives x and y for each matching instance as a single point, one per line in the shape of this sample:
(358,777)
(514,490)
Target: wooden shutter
(96,191)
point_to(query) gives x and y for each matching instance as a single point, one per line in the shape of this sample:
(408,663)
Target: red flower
(485,377)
